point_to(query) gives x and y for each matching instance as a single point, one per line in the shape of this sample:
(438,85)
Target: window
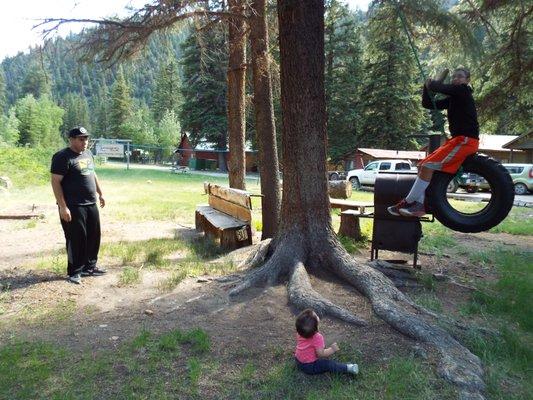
(384,166)
(372,166)
(514,169)
(403,167)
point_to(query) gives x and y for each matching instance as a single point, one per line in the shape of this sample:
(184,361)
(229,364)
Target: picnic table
(351,210)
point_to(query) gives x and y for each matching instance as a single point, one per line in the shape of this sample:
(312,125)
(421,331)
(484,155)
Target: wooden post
(350,226)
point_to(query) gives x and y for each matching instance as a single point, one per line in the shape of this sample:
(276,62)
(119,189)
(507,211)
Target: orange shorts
(449,157)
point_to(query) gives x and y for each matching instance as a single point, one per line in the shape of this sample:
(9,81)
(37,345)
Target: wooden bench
(227,217)
(350,213)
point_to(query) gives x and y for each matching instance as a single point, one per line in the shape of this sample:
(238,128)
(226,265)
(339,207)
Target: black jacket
(462,115)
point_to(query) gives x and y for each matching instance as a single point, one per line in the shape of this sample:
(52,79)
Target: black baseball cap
(77,132)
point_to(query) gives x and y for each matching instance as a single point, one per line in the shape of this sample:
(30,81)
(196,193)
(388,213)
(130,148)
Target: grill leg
(415,259)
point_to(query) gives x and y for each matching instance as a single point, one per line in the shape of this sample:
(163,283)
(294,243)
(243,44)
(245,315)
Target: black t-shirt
(462,115)
(79,184)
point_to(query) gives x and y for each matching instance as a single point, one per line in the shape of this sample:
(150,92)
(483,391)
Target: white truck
(367,175)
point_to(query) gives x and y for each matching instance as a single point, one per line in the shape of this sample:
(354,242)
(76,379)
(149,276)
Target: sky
(19,16)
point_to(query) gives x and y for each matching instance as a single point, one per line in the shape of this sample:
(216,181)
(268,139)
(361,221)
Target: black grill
(392,233)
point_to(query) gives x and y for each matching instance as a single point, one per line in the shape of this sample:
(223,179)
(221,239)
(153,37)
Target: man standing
(75,187)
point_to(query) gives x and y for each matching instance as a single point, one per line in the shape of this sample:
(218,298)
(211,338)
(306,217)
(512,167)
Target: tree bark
(305,205)
(236,95)
(264,121)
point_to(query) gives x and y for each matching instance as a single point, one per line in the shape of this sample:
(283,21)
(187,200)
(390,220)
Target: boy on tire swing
(464,129)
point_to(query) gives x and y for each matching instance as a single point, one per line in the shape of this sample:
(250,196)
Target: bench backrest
(234,202)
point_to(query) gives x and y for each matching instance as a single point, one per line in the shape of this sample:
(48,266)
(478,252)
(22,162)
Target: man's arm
(64,212)
(448,89)
(439,104)
(99,191)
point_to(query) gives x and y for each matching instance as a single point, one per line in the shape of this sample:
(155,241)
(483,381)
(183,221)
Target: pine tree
(343,77)
(40,120)
(167,91)
(391,97)
(121,106)
(76,112)
(36,82)
(99,112)
(203,113)
(3,98)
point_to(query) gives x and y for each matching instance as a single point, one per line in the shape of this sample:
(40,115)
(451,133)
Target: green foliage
(3,98)
(121,106)
(167,91)
(76,112)
(344,74)
(40,120)
(26,167)
(204,64)
(168,133)
(36,82)
(9,132)
(391,97)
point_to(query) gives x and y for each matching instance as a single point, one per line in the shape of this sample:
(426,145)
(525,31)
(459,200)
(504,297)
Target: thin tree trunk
(236,95)
(264,121)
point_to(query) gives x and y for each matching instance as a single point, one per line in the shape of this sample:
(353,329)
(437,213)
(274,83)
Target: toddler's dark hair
(306,323)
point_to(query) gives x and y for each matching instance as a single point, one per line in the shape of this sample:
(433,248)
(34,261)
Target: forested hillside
(372,79)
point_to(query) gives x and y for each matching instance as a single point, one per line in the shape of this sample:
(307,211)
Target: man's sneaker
(76,278)
(94,272)
(414,209)
(395,209)
(353,369)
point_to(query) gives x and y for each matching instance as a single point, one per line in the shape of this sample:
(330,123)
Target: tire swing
(498,178)
(497,208)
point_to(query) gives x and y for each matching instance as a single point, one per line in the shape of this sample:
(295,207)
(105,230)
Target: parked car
(367,175)
(522,175)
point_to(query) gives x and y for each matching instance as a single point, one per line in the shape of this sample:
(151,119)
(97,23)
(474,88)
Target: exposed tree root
(279,264)
(302,295)
(455,363)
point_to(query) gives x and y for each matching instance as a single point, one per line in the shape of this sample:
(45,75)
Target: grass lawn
(183,363)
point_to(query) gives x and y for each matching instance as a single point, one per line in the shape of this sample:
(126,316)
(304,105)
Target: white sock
(418,191)
(353,368)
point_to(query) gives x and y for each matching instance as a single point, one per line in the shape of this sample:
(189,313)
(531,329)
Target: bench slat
(235,210)
(240,197)
(219,219)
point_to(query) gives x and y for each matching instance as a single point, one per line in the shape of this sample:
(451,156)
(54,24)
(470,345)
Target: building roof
(494,142)
(400,154)
(522,141)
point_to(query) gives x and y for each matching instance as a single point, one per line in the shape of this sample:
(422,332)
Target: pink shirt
(306,347)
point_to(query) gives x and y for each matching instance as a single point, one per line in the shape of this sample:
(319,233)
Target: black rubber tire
(356,185)
(497,208)
(334,177)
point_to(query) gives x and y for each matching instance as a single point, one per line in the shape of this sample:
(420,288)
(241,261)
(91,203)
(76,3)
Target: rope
(439,120)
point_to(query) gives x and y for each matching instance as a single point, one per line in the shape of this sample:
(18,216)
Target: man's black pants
(82,234)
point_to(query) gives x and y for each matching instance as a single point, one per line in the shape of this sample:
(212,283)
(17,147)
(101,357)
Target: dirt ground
(101,314)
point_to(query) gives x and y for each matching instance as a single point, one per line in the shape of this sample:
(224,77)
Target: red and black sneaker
(395,209)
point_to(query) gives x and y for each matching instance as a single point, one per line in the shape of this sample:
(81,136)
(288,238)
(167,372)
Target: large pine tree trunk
(264,121)
(236,94)
(305,205)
